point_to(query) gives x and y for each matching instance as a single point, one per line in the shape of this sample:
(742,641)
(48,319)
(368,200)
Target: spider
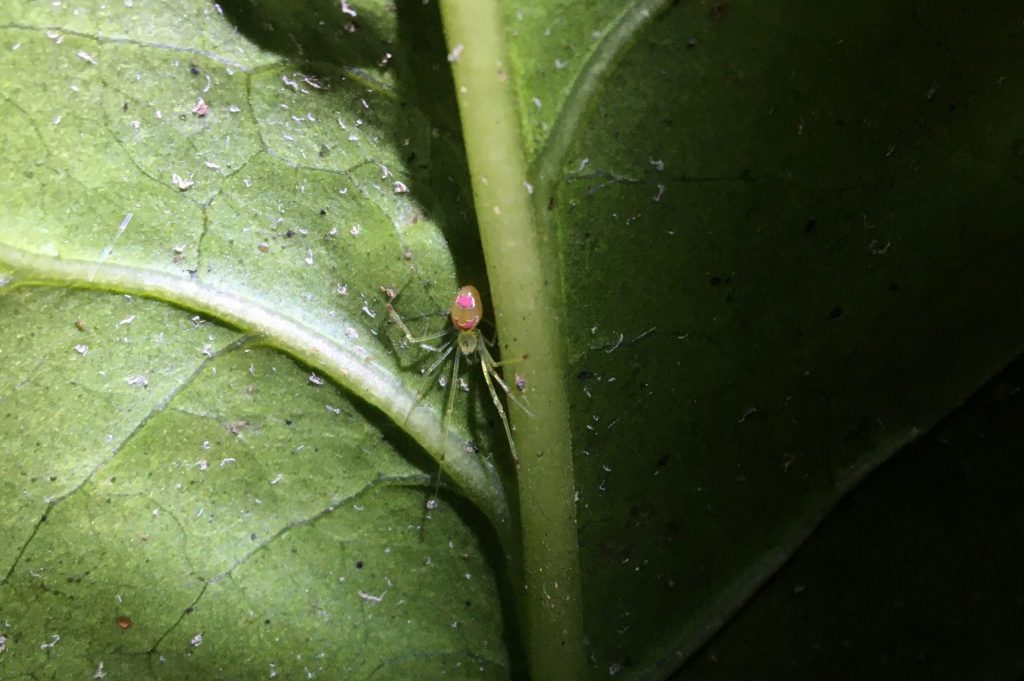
(466,313)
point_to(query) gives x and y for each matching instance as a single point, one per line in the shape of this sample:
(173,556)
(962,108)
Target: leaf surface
(787,239)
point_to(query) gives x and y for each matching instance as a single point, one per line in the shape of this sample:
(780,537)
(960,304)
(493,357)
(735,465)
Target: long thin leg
(486,368)
(452,387)
(428,376)
(488,360)
(405,329)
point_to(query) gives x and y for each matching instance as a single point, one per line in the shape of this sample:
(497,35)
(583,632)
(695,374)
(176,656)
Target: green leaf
(914,573)
(751,252)
(235,449)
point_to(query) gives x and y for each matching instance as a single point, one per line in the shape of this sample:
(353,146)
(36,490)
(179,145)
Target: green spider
(466,313)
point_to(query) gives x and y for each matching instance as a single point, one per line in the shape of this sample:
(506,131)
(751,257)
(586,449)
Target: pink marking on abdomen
(465,301)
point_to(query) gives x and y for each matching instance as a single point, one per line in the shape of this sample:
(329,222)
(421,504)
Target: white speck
(85,56)
(226,461)
(358,507)
(81,349)
(234,108)
(156,512)
(182,183)
(206,444)
(369,312)
(351,333)
(583,164)
(658,164)
(876,248)
(356,230)
(207,350)
(309,257)
(331,408)
(456,52)
(124,224)
(529,187)
(211,165)
(342,289)
(56,119)
(345,9)
(277,478)
(559,64)
(56,37)
(536,102)
(316,380)
(3,644)
(371,598)
(661,192)
(401,188)
(202,464)
(137,380)
(100,674)
(197,640)
(126,321)
(52,643)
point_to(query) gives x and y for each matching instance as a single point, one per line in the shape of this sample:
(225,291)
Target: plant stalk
(523,277)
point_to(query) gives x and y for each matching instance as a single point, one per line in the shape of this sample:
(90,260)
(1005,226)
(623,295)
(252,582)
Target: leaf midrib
(348,364)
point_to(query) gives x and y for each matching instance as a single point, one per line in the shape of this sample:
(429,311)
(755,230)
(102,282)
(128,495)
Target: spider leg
(405,329)
(485,366)
(444,351)
(452,387)
(489,362)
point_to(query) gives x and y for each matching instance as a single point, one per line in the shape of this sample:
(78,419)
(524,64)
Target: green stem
(524,286)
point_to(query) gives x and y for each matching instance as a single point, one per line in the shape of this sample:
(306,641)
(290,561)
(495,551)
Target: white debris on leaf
(371,598)
(456,52)
(197,640)
(138,380)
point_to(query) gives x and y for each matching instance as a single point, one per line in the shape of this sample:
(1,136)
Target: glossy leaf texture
(208,444)
(788,240)
(790,244)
